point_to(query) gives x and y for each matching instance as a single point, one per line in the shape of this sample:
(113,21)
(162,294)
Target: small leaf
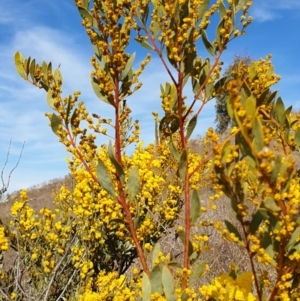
(297,138)
(156,280)
(174,150)
(182,165)
(97,90)
(104,179)
(50,99)
(155,253)
(209,47)
(198,271)
(195,206)
(222,10)
(279,109)
(270,204)
(115,162)
(191,126)
(19,64)
(257,218)
(32,70)
(55,122)
(232,229)
(128,66)
(168,284)
(258,141)
(276,169)
(57,76)
(250,106)
(203,8)
(181,235)
(85,14)
(144,43)
(294,238)
(146,287)
(133,184)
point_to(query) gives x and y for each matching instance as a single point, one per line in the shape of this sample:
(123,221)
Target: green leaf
(86,3)
(195,206)
(250,105)
(115,162)
(50,99)
(276,169)
(198,271)
(209,47)
(85,14)
(19,64)
(270,204)
(222,10)
(294,239)
(156,280)
(191,126)
(297,138)
(168,284)
(155,253)
(203,9)
(55,122)
(128,66)
(155,32)
(279,109)
(27,65)
(182,165)
(97,90)
(232,229)
(258,141)
(174,150)
(181,235)
(144,43)
(271,97)
(257,218)
(32,70)
(146,287)
(74,119)
(104,179)
(133,183)
(57,76)
(45,72)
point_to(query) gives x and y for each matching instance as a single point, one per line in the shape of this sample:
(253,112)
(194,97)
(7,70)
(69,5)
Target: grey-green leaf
(115,162)
(168,284)
(128,66)
(232,229)
(156,280)
(144,44)
(19,64)
(146,287)
(55,123)
(104,179)
(209,47)
(195,206)
(197,272)
(191,126)
(133,184)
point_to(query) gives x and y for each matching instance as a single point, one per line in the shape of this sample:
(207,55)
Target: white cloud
(268,10)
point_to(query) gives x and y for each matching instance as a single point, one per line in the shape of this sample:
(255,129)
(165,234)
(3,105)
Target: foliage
(102,240)
(222,118)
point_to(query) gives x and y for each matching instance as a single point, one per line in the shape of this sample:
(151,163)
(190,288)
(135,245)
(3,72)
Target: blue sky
(52,31)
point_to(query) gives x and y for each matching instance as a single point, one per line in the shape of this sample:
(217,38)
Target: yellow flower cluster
(4,244)
(229,289)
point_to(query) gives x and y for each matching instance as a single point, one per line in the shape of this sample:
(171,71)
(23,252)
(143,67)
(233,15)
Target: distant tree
(222,120)
(5,184)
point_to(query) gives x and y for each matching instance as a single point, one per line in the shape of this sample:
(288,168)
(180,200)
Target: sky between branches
(52,31)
